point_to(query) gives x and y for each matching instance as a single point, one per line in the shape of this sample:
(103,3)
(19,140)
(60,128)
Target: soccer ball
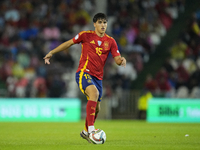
(97,136)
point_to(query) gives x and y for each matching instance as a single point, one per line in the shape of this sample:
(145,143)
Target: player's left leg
(99,86)
(97,110)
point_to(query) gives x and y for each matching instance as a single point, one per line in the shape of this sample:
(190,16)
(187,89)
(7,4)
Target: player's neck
(100,34)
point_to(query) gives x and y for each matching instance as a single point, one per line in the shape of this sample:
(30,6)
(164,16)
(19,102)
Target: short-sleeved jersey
(95,51)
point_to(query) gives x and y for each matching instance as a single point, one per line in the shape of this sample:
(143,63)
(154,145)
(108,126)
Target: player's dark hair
(99,16)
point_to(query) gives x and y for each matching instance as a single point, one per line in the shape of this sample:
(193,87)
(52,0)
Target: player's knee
(94,95)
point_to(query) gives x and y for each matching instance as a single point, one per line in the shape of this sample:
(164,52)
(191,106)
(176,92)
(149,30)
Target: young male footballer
(96,46)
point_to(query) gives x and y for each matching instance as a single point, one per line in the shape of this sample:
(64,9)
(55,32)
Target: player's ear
(94,24)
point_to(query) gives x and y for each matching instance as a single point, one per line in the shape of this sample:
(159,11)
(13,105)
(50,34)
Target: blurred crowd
(179,76)
(31,28)
(138,27)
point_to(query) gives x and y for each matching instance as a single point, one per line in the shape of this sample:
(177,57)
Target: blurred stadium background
(159,38)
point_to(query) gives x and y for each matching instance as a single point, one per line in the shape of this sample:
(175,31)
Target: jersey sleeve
(79,37)
(114,49)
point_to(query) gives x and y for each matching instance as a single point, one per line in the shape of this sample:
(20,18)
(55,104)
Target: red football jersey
(95,51)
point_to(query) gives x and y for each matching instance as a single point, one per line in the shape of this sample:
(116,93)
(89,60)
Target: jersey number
(98,51)
(87,76)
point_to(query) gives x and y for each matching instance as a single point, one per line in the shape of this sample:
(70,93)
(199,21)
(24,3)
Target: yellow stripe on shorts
(81,76)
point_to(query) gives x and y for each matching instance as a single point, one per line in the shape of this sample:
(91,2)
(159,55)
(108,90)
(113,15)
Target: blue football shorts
(83,79)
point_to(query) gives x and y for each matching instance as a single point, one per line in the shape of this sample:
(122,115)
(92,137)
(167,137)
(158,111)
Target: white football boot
(85,136)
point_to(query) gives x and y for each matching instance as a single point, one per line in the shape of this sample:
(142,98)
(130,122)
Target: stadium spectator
(143,103)
(138,25)
(151,84)
(178,50)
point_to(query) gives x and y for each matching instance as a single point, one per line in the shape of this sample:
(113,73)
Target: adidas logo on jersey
(92,42)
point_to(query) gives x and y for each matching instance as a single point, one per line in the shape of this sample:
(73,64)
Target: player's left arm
(121,61)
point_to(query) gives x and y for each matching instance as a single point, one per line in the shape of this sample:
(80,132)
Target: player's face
(100,26)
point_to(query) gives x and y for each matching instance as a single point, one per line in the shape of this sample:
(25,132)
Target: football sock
(86,125)
(90,110)
(90,129)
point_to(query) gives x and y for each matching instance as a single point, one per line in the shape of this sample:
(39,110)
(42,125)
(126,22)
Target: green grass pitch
(121,135)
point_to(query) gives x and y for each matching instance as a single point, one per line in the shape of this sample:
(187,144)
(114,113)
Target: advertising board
(173,110)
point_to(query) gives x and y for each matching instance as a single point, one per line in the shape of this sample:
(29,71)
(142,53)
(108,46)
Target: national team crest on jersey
(89,81)
(106,45)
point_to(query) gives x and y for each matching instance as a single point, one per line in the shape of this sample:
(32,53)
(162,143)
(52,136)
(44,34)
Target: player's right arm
(61,47)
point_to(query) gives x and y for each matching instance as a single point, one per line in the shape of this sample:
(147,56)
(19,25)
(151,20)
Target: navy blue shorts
(83,79)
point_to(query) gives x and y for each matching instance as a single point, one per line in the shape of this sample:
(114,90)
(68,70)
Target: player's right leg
(85,135)
(86,85)
(93,95)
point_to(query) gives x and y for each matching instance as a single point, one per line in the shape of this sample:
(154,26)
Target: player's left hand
(123,63)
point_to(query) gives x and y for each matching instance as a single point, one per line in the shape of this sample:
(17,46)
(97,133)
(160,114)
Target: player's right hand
(47,58)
